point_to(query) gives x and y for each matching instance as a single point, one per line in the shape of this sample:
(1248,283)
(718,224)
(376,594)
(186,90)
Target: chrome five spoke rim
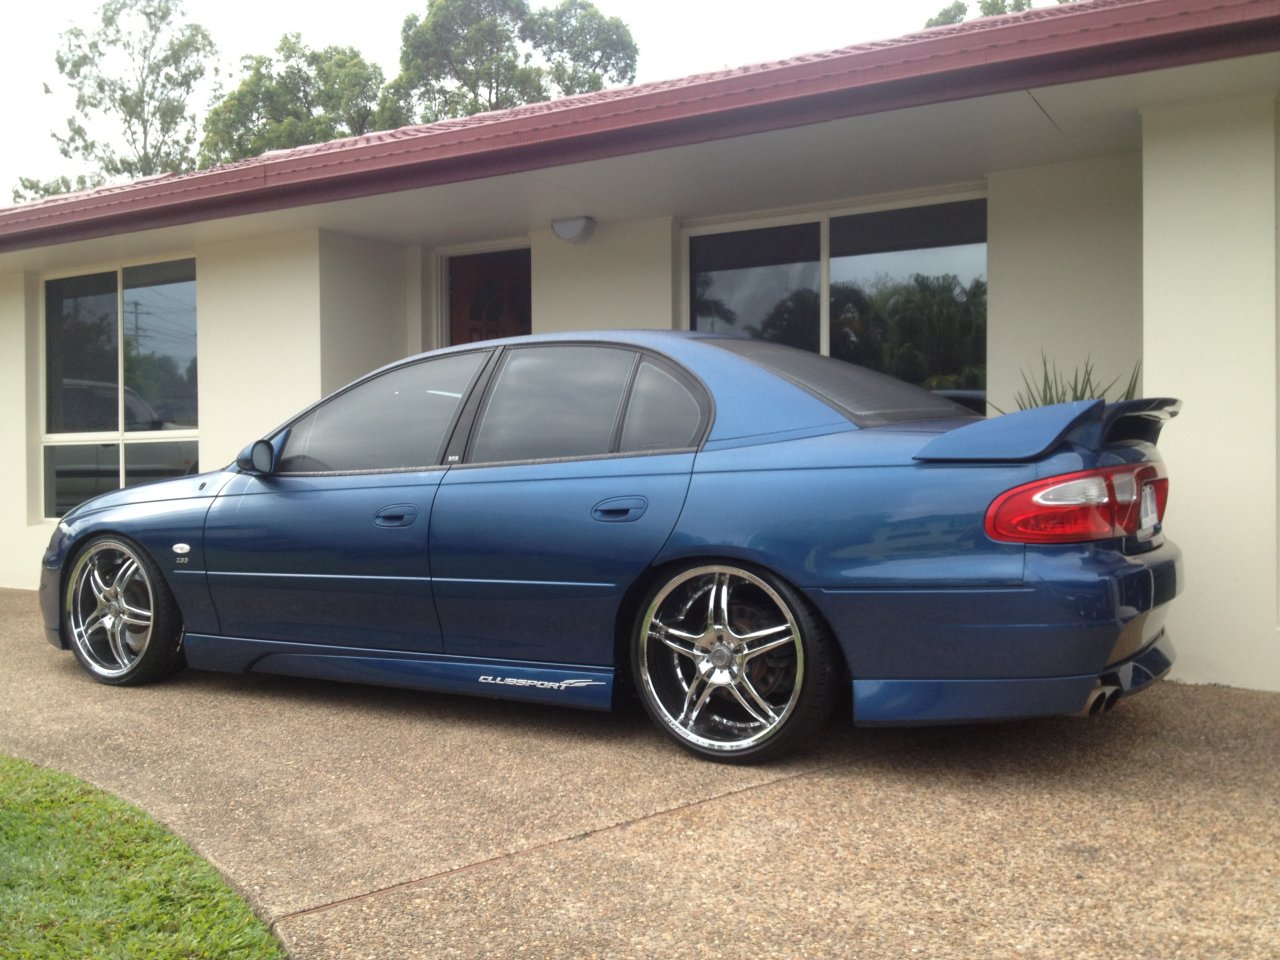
(722,658)
(109,608)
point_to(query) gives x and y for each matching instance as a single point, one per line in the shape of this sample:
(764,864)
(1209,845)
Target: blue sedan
(733,530)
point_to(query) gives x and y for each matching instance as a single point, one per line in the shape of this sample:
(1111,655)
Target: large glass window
(905,290)
(120,380)
(762,283)
(909,293)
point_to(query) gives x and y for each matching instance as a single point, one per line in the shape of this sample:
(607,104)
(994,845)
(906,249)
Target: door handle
(620,509)
(396,515)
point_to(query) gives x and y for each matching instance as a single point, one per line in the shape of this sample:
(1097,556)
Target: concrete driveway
(363,822)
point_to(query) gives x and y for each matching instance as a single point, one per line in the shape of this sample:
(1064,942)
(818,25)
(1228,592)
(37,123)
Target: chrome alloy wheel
(720,660)
(110,608)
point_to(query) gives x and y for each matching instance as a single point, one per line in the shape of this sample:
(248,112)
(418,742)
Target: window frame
(823,217)
(121,437)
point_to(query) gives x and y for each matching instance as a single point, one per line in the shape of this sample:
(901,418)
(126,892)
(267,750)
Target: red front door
(489,296)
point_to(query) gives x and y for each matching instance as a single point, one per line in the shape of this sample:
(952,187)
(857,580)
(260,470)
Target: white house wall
(1209,289)
(626,276)
(362,308)
(1064,271)
(22,529)
(259,334)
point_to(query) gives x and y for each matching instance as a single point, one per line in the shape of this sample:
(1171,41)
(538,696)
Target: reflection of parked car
(733,529)
(79,471)
(90,406)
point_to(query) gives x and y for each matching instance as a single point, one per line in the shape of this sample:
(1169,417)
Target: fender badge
(181,548)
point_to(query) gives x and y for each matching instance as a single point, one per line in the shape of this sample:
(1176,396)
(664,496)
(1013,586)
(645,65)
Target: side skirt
(587,687)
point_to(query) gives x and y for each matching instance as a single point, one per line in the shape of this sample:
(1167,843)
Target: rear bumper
(905,702)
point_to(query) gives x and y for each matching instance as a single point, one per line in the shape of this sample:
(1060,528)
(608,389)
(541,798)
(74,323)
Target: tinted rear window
(866,397)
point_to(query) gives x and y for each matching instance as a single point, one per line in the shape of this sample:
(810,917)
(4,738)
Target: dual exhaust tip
(1101,699)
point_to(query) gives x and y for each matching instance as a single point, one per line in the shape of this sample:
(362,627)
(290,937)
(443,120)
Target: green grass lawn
(84,875)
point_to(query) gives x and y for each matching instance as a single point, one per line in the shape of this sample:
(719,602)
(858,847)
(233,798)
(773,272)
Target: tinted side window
(662,414)
(395,421)
(552,402)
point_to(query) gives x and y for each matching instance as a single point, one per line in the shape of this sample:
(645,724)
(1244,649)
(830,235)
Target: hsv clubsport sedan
(733,530)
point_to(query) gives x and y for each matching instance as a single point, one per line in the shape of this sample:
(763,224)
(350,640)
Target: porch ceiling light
(574,229)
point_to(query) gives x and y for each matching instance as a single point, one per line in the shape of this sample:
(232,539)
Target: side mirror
(258,457)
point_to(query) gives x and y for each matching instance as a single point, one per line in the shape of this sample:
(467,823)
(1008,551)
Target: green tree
(296,97)
(959,11)
(955,13)
(134,73)
(464,57)
(470,56)
(583,48)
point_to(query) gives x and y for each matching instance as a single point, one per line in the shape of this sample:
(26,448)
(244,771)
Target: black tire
(119,615)
(732,663)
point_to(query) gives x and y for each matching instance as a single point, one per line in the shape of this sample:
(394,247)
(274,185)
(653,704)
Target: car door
(572,480)
(331,545)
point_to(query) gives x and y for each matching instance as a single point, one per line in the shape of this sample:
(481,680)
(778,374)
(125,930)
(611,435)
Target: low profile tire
(119,615)
(732,663)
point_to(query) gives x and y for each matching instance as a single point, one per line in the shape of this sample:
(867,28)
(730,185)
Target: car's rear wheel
(732,663)
(119,614)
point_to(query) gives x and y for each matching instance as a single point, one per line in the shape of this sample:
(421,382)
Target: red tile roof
(1058,44)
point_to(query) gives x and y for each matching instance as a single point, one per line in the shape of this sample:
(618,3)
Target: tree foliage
(583,48)
(470,56)
(295,97)
(959,11)
(928,329)
(134,74)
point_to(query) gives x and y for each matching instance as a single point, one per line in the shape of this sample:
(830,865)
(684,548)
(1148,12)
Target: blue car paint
(321,559)
(936,621)
(1030,435)
(525,569)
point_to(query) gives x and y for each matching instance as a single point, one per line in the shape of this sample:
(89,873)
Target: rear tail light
(1097,504)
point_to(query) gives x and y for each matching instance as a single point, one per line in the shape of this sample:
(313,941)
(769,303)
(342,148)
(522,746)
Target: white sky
(675,37)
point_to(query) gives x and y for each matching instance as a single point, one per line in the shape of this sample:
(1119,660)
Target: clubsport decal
(541,684)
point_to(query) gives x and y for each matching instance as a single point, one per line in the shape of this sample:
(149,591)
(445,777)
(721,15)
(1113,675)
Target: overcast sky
(675,37)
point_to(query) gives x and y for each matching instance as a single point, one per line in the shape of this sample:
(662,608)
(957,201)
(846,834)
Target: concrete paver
(366,822)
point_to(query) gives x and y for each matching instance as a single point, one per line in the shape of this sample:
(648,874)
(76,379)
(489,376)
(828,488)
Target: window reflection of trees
(927,329)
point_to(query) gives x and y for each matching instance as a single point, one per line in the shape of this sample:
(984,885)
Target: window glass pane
(81,372)
(662,414)
(73,474)
(395,421)
(759,283)
(144,462)
(551,402)
(160,346)
(909,293)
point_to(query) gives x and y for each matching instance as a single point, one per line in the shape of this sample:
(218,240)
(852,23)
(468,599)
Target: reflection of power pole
(137,332)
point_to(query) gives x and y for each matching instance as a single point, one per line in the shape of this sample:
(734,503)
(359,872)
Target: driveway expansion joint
(274,924)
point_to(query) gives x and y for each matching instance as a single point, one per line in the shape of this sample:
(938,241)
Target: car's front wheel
(119,614)
(732,663)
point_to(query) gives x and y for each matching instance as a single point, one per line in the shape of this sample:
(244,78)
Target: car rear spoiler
(1030,434)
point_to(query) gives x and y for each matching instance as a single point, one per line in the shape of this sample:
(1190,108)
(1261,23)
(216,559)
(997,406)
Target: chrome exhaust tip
(1101,699)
